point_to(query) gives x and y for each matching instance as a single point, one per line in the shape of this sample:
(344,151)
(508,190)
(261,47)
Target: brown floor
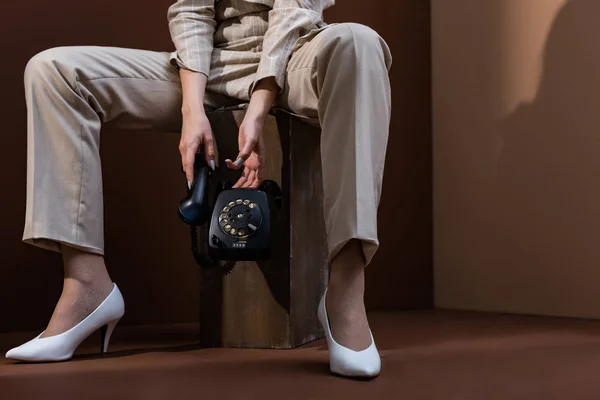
(426,355)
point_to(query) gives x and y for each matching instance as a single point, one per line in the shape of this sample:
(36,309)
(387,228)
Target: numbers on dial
(240,218)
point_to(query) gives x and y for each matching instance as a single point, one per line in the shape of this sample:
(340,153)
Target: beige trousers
(339,76)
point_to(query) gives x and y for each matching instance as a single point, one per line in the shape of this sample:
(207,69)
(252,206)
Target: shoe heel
(105,334)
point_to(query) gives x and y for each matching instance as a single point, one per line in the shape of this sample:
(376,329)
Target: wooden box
(272,304)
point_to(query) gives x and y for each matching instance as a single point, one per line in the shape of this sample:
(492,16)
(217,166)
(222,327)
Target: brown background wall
(147,246)
(517,199)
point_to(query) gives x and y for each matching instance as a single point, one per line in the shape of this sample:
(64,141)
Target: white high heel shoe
(61,347)
(346,362)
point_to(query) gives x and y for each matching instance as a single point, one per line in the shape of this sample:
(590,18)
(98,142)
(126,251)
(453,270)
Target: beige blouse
(269,27)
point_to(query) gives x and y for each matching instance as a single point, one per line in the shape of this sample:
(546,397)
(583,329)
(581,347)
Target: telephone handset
(239,222)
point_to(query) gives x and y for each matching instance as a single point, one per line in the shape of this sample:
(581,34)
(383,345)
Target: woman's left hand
(252,153)
(250,139)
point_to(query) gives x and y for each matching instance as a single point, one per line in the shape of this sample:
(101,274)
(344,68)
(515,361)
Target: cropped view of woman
(262,52)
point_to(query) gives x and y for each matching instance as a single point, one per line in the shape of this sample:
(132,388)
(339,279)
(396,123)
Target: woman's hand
(195,133)
(250,138)
(252,153)
(196,130)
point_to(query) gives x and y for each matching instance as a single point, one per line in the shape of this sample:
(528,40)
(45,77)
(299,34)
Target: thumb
(242,155)
(245,151)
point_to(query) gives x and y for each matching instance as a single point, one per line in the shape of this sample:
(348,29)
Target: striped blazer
(192,25)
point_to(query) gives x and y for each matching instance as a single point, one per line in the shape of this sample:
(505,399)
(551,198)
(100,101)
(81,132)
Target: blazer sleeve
(288,21)
(192,26)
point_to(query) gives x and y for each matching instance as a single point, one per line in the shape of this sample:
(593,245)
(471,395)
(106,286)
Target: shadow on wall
(546,199)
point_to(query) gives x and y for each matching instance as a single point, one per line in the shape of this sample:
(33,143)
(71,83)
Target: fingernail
(239,162)
(189,185)
(212,164)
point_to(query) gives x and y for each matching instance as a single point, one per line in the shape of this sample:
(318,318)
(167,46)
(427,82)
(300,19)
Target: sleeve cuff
(178,63)
(266,73)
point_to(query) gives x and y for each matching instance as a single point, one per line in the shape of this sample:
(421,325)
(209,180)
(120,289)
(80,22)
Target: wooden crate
(272,304)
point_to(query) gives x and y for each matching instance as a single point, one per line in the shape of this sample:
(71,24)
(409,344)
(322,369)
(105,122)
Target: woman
(263,52)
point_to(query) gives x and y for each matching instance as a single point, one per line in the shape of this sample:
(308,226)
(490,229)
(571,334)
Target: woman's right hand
(196,132)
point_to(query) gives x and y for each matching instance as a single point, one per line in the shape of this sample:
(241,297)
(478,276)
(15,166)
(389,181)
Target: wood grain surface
(271,304)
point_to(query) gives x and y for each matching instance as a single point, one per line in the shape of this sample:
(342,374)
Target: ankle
(346,275)
(346,279)
(87,287)
(85,269)
(348,267)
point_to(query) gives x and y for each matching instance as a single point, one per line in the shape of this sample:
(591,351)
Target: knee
(359,40)
(351,34)
(355,37)
(47,64)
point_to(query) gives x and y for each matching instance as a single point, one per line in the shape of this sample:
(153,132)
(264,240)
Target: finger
(209,150)
(250,180)
(188,157)
(260,154)
(234,165)
(260,171)
(257,182)
(188,165)
(246,151)
(239,183)
(258,178)
(260,174)
(239,162)
(242,179)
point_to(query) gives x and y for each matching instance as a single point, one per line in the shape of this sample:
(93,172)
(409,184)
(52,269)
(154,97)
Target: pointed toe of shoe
(363,364)
(41,350)
(12,354)
(372,370)
(19,354)
(25,352)
(361,372)
(369,370)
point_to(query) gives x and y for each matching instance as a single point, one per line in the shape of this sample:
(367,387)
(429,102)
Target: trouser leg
(70,92)
(341,78)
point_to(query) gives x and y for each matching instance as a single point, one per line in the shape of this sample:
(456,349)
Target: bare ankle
(85,269)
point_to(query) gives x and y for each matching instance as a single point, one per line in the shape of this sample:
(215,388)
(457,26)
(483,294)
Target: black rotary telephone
(240,220)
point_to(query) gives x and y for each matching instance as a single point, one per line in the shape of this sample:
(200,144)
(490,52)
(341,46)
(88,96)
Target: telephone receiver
(239,221)
(194,208)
